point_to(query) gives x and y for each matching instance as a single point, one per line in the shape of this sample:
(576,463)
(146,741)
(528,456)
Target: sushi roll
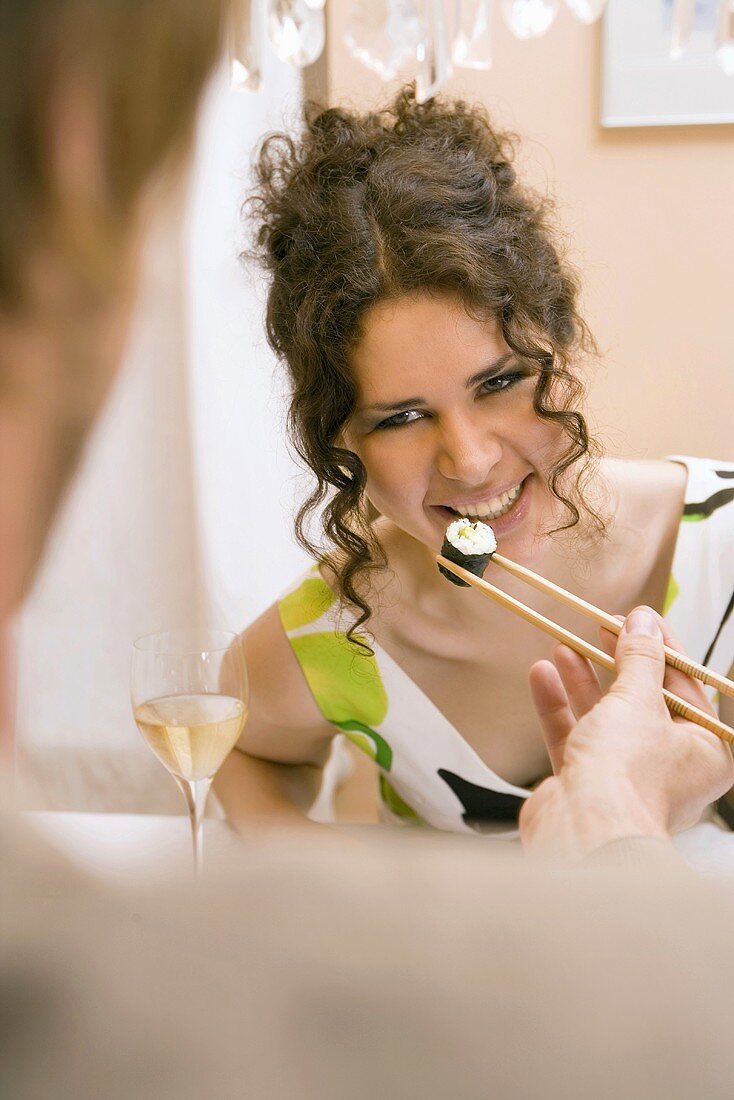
(469,545)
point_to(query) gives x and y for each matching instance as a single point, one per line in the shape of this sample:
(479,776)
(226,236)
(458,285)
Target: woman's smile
(480,507)
(504,512)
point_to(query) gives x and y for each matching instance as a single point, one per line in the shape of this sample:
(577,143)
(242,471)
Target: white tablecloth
(135,847)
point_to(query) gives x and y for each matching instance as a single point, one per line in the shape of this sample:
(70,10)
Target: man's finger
(553,710)
(640,658)
(679,683)
(608,640)
(579,680)
(532,806)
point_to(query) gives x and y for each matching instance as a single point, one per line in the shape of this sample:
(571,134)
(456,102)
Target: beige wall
(651,226)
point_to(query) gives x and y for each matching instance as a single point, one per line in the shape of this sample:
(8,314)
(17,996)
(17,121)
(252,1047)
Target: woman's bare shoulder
(284,722)
(647,502)
(646,489)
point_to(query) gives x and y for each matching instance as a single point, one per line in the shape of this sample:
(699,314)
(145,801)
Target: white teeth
(490,509)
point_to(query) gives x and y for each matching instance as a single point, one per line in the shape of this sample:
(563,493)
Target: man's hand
(623,765)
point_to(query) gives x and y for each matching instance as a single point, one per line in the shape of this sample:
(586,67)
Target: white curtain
(188,458)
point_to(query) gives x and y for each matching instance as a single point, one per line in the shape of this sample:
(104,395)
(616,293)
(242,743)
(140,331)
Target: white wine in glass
(190,695)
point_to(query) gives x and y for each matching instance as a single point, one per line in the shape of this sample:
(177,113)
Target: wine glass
(190,697)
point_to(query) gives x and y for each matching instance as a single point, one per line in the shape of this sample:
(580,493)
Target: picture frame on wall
(643,86)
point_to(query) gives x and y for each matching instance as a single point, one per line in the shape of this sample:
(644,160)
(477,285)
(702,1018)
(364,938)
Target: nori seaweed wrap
(470,545)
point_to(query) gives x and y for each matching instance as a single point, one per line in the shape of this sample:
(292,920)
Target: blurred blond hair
(131,72)
(98,102)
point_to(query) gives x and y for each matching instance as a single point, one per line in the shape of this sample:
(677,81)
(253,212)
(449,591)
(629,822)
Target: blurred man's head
(97,105)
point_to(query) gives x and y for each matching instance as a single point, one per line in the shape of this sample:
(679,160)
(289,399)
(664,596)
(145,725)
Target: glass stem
(196,792)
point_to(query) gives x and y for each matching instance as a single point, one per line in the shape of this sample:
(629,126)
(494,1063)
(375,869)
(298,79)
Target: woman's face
(445,426)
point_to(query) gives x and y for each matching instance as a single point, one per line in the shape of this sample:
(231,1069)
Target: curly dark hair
(360,208)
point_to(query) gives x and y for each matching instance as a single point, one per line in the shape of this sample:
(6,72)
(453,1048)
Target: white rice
(471,538)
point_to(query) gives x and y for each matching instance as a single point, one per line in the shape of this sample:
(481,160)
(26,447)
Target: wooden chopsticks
(672,657)
(675,704)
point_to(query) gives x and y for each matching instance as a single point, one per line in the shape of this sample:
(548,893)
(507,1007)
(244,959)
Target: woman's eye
(501,382)
(401,418)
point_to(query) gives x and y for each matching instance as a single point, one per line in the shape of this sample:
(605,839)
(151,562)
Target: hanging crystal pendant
(472,47)
(384,34)
(245,46)
(297,31)
(434,65)
(684,14)
(529,18)
(588,11)
(725,37)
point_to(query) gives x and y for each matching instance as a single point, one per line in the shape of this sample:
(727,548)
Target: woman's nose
(467,452)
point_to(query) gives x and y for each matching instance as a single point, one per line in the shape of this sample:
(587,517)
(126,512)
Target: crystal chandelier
(415,37)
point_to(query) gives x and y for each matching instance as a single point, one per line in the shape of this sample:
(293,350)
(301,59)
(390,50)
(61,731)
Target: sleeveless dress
(427,773)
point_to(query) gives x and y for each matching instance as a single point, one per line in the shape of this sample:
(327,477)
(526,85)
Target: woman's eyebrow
(489,371)
(394,406)
(410,402)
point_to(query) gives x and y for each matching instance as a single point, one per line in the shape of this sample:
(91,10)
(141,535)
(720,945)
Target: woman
(433,341)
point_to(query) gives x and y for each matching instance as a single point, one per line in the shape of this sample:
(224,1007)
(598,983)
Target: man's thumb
(640,656)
